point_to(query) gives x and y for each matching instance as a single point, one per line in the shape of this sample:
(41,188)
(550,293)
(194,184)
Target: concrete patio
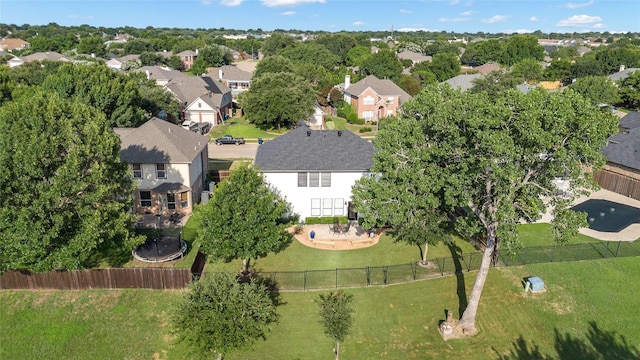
(325,238)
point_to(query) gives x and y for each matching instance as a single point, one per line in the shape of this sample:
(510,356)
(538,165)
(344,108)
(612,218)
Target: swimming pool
(608,216)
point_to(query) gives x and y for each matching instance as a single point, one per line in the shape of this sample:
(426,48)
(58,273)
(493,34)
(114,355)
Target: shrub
(326,220)
(365,129)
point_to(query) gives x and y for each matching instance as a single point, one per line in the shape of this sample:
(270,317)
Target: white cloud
(226,2)
(277,3)
(466,13)
(413,29)
(578,5)
(288,13)
(581,21)
(456,19)
(404,11)
(534,18)
(518,31)
(495,19)
(359,23)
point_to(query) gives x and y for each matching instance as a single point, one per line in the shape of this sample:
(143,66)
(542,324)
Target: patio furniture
(344,229)
(335,229)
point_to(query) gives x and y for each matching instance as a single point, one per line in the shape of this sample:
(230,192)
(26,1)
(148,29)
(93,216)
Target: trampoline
(160,249)
(608,216)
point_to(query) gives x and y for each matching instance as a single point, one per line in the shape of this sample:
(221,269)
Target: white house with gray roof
(204,98)
(314,170)
(168,163)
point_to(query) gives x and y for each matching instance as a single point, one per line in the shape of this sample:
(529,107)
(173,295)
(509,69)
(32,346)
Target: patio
(161,221)
(328,238)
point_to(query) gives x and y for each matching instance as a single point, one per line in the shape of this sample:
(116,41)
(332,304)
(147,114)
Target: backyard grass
(588,306)
(240,127)
(540,235)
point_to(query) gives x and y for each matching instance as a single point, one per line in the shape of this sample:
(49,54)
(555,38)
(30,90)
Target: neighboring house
(462,82)
(168,163)
(622,74)
(413,56)
(116,63)
(41,56)
(188,57)
(235,79)
(162,75)
(486,68)
(374,99)
(13,44)
(14,61)
(314,170)
(316,119)
(204,99)
(621,172)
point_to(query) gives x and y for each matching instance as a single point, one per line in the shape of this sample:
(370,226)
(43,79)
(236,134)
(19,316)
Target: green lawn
(588,305)
(239,127)
(540,235)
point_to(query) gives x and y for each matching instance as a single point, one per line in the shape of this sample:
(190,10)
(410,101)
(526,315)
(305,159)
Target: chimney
(148,74)
(308,132)
(220,73)
(347,81)
(622,67)
(339,132)
(196,52)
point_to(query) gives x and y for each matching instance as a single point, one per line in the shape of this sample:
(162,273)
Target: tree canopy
(384,65)
(336,316)
(244,220)
(597,89)
(487,162)
(218,314)
(64,192)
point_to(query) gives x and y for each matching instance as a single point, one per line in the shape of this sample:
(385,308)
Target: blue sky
(472,16)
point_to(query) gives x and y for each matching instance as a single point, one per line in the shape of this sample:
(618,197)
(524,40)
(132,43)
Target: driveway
(246,151)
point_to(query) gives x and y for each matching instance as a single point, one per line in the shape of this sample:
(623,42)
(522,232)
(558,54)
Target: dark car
(228,139)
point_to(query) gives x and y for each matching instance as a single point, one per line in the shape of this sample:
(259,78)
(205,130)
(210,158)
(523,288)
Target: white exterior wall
(200,111)
(175,173)
(300,198)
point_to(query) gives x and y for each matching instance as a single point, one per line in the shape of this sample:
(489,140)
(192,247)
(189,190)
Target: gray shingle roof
(304,149)
(381,87)
(158,141)
(624,148)
(631,120)
(189,88)
(621,75)
(231,73)
(462,82)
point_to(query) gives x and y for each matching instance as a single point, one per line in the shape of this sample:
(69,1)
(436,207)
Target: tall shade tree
(276,43)
(278,99)
(597,89)
(384,65)
(218,314)
(64,192)
(490,161)
(211,56)
(630,91)
(444,66)
(520,47)
(336,316)
(528,69)
(244,220)
(273,64)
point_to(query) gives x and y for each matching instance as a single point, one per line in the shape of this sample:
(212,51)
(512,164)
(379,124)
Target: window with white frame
(184,200)
(316,207)
(368,115)
(314,179)
(145,199)
(137,171)
(327,207)
(338,207)
(325,179)
(171,201)
(390,100)
(302,179)
(389,112)
(161,172)
(369,100)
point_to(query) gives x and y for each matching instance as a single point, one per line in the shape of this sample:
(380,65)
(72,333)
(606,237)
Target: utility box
(204,197)
(535,284)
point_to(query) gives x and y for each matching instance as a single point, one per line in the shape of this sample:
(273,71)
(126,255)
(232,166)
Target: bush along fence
(402,273)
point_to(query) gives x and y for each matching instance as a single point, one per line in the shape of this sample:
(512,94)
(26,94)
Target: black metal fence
(403,273)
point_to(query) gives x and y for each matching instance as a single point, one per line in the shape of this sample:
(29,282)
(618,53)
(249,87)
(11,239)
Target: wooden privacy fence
(619,183)
(219,175)
(113,278)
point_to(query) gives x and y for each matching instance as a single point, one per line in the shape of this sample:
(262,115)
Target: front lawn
(240,127)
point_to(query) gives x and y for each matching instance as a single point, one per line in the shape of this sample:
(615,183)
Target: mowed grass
(540,234)
(393,322)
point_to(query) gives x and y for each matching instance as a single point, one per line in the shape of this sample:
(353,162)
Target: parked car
(190,125)
(204,128)
(228,139)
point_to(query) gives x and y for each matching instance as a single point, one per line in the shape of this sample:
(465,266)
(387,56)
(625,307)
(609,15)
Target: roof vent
(308,133)
(339,133)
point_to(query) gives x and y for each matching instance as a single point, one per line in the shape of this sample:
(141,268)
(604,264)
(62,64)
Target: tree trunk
(424,253)
(337,354)
(245,266)
(467,323)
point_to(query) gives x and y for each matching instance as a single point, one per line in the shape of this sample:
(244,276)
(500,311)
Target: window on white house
(161,172)
(145,199)
(327,207)
(368,115)
(171,201)
(369,100)
(338,207)
(137,171)
(302,179)
(184,200)
(314,179)
(325,180)
(315,207)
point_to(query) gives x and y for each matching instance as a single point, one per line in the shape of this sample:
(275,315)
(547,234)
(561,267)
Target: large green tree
(444,66)
(211,56)
(336,316)
(520,47)
(597,89)
(245,219)
(384,65)
(273,64)
(278,99)
(218,314)
(64,192)
(490,161)
(92,45)
(630,91)
(276,43)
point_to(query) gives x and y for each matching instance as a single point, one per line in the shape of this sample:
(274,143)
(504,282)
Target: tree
(558,70)
(278,99)
(336,316)
(311,53)
(218,314)
(174,62)
(444,66)
(92,45)
(357,55)
(528,69)
(150,59)
(273,64)
(337,44)
(630,91)
(520,47)
(597,89)
(276,43)
(587,66)
(409,84)
(489,161)
(244,220)
(211,56)
(384,65)
(64,192)
(496,82)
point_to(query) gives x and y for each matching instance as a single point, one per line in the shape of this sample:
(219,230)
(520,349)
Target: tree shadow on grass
(600,344)
(456,253)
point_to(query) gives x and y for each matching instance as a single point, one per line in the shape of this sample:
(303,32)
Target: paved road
(232,151)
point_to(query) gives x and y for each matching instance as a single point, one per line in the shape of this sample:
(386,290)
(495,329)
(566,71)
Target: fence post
(470,261)
(444,260)
(336,278)
(368,276)
(304,281)
(553,253)
(526,251)
(606,252)
(618,248)
(414,270)
(384,277)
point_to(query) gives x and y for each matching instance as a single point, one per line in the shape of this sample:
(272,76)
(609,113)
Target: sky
(472,16)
